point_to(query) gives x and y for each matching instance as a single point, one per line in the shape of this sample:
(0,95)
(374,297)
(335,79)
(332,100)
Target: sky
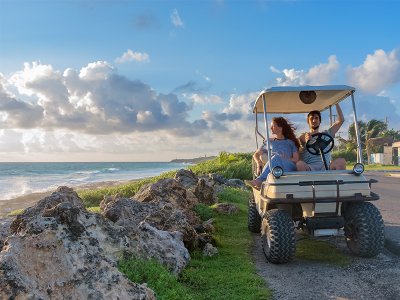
(98,80)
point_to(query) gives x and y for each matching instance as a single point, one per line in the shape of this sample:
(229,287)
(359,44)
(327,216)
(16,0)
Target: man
(312,162)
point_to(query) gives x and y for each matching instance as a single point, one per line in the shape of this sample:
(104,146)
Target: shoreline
(27,200)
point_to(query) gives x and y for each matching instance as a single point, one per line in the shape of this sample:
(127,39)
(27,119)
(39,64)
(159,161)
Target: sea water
(18,179)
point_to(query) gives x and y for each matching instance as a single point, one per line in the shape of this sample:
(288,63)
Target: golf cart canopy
(300,99)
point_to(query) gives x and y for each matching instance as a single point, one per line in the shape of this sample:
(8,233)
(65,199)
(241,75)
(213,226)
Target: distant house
(390,155)
(396,153)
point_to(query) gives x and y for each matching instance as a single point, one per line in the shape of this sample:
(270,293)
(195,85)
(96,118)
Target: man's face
(314,121)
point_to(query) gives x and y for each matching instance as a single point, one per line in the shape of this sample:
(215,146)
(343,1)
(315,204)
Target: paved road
(388,188)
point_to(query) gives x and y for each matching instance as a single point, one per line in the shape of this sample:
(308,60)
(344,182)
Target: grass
(229,275)
(320,251)
(16,212)
(375,167)
(226,164)
(162,282)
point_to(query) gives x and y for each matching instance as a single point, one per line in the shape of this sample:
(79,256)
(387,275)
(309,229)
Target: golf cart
(320,203)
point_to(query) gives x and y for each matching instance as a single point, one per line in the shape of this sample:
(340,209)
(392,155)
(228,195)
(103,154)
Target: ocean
(18,179)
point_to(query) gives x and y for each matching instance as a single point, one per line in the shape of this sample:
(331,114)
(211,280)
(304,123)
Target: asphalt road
(388,189)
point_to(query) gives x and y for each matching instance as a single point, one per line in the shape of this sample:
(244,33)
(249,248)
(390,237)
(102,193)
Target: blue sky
(157,80)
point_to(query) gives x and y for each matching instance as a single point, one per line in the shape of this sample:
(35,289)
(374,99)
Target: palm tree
(372,129)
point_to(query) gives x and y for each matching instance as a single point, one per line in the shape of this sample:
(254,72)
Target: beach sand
(25,201)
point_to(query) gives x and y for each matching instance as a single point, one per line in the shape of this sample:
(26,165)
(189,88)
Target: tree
(372,129)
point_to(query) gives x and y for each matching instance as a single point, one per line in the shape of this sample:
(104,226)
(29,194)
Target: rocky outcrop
(160,214)
(58,248)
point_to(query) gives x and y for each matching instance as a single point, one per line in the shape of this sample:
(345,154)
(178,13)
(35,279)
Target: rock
(217,178)
(153,244)
(168,190)
(226,208)
(236,183)
(206,227)
(58,248)
(4,230)
(205,238)
(187,178)
(210,250)
(62,194)
(129,213)
(204,192)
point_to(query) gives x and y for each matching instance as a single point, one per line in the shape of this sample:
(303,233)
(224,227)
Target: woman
(284,150)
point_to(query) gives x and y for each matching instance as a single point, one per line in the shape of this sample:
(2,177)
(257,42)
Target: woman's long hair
(288,129)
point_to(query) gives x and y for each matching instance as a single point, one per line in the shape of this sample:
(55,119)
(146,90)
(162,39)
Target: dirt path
(373,278)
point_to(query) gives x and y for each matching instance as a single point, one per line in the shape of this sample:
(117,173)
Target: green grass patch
(94,209)
(158,278)
(320,251)
(375,167)
(204,211)
(16,212)
(230,274)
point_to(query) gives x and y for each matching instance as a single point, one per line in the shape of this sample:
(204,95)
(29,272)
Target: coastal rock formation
(160,214)
(58,248)
(4,230)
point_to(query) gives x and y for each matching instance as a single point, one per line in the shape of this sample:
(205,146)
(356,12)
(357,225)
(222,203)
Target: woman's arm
(295,157)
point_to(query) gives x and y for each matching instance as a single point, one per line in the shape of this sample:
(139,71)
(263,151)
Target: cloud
(129,56)
(318,75)
(176,19)
(379,71)
(92,100)
(205,99)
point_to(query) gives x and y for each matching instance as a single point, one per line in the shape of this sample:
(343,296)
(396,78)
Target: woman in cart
(284,150)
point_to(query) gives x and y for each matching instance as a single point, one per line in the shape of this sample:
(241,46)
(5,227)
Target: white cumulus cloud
(129,56)
(318,75)
(379,71)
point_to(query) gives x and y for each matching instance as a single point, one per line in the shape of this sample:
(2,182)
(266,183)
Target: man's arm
(339,122)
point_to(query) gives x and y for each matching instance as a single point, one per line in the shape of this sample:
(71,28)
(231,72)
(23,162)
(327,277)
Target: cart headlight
(358,169)
(277,172)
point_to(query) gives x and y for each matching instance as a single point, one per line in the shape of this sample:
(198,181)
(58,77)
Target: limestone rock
(4,230)
(129,213)
(187,178)
(210,250)
(58,249)
(226,208)
(205,192)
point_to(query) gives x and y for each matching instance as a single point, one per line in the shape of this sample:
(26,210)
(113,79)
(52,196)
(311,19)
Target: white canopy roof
(286,100)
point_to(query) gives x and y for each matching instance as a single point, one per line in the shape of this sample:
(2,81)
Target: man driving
(311,162)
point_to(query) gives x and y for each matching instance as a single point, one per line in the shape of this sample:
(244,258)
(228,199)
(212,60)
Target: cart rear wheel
(364,229)
(278,237)
(254,218)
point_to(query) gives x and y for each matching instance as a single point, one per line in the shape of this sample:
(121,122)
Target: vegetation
(229,275)
(157,277)
(373,134)
(226,164)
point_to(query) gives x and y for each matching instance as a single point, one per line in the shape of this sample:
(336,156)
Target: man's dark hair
(314,112)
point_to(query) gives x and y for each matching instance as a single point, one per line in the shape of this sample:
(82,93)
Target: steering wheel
(320,142)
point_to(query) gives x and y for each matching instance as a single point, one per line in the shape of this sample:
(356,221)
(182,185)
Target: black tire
(364,229)
(253,217)
(278,236)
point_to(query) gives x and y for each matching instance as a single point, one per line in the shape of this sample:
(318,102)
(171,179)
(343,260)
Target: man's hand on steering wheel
(320,142)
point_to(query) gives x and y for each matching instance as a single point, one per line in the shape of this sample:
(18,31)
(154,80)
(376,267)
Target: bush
(348,155)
